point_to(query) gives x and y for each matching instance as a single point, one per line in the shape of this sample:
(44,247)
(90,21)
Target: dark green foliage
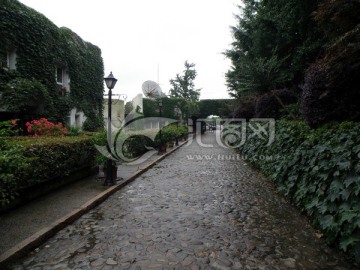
(330,91)
(320,171)
(272,105)
(245,108)
(183,85)
(40,47)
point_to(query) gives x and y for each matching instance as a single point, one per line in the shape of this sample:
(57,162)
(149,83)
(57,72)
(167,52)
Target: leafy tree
(183,85)
(256,76)
(273,42)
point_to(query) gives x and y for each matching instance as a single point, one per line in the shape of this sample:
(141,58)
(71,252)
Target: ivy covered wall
(41,47)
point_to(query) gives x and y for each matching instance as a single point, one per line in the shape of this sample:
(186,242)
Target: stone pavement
(23,222)
(190,212)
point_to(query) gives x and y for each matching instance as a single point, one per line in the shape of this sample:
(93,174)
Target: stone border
(41,236)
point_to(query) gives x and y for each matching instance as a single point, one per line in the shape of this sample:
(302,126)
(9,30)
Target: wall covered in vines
(40,48)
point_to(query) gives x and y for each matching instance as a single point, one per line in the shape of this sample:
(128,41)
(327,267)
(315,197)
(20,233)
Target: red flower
(44,127)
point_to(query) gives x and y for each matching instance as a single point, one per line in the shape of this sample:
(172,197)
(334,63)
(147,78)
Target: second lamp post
(110,84)
(160,103)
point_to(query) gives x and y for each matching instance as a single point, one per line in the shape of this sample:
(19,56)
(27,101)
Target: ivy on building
(40,48)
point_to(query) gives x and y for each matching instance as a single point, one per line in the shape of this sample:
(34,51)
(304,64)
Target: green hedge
(170,133)
(26,161)
(138,143)
(320,171)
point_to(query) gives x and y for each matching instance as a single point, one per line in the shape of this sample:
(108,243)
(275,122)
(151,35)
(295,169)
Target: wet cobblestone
(190,214)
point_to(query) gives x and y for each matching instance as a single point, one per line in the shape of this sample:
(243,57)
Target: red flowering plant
(44,127)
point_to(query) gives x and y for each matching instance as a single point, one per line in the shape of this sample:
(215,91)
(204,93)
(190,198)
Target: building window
(11,60)
(8,59)
(3,60)
(59,76)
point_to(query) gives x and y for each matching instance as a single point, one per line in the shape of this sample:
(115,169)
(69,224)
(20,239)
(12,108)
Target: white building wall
(76,118)
(117,112)
(11,59)
(137,102)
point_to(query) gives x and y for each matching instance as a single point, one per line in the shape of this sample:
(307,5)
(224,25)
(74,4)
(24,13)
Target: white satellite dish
(151,89)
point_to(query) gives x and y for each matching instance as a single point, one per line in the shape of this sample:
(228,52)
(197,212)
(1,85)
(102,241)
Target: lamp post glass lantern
(177,110)
(110,82)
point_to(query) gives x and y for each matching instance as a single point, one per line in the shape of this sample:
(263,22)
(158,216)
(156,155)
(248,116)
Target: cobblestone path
(184,213)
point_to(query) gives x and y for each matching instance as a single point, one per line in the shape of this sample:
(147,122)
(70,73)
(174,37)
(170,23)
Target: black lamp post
(160,103)
(177,110)
(110,84)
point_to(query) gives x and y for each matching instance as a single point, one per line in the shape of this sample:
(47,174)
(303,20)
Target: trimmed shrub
(93,124)
(28,161)
(169,134)
(246,108)
(320,171)
(137,145)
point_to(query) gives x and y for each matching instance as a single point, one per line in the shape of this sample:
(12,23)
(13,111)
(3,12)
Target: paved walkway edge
(41,236)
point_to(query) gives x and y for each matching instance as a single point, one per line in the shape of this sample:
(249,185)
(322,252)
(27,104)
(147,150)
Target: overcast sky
(140,37)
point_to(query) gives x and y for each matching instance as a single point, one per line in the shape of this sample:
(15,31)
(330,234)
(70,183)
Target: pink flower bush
(44,127)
